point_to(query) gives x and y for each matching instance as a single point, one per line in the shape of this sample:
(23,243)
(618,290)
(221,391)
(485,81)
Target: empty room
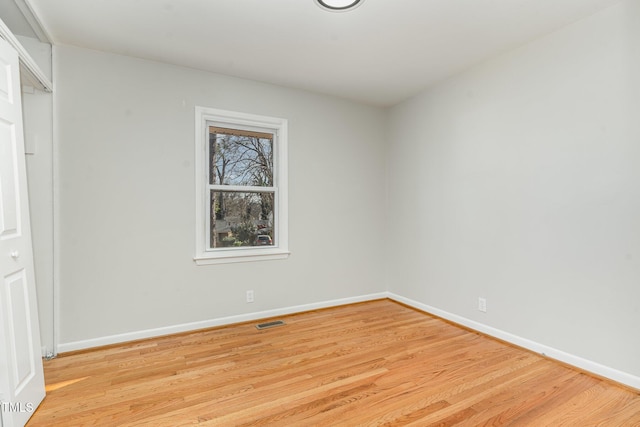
(320,212)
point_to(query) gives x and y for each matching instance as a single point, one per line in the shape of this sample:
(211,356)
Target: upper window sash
(242,156)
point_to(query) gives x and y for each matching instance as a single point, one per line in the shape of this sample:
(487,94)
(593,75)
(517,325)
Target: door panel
(8,186)
(21,373)
(19,330)
(6,88)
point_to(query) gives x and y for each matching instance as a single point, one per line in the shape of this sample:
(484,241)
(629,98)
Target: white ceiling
(380,53)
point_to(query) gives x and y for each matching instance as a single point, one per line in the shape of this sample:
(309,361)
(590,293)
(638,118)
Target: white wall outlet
(249,296)
(482,304)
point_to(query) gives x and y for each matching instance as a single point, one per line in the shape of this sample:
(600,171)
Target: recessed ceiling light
(338,5)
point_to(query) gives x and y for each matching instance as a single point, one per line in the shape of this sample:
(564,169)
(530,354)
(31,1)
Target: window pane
(241,219)
(239,157)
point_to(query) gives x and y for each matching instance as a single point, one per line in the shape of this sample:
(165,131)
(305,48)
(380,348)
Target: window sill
(232,256)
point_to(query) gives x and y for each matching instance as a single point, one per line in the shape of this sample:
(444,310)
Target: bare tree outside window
(242,200)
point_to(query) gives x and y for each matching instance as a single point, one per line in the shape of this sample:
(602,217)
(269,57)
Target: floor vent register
(267,325)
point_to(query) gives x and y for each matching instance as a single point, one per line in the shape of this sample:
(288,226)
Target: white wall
(37,108)
(519,181)
(126,185)
(40,53)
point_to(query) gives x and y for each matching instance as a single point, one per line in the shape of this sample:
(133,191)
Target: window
(241,187)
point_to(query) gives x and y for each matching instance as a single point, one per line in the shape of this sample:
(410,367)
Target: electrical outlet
(482,304)
(249,296)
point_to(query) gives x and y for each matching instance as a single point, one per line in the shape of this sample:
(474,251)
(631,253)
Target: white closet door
(21,374)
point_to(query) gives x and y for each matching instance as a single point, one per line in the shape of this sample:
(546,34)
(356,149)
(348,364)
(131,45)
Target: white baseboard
(185,327)
(570,359)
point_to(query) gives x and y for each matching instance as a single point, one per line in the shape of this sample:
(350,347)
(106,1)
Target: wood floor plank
(374,363)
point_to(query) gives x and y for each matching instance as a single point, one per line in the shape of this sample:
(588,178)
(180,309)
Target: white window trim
(203,255)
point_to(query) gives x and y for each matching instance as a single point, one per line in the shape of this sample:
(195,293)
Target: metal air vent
(270,324)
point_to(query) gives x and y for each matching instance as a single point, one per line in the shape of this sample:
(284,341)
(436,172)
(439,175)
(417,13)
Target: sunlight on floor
(56,386)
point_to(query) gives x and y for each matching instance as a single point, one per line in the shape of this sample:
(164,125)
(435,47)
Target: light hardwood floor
(375,363)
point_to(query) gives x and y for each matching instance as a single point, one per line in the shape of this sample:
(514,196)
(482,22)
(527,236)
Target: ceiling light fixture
(339,5)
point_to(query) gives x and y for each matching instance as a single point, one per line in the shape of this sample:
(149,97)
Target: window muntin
(241,186)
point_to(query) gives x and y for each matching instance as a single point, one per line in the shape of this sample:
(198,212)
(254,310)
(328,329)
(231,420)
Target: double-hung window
(241,187)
